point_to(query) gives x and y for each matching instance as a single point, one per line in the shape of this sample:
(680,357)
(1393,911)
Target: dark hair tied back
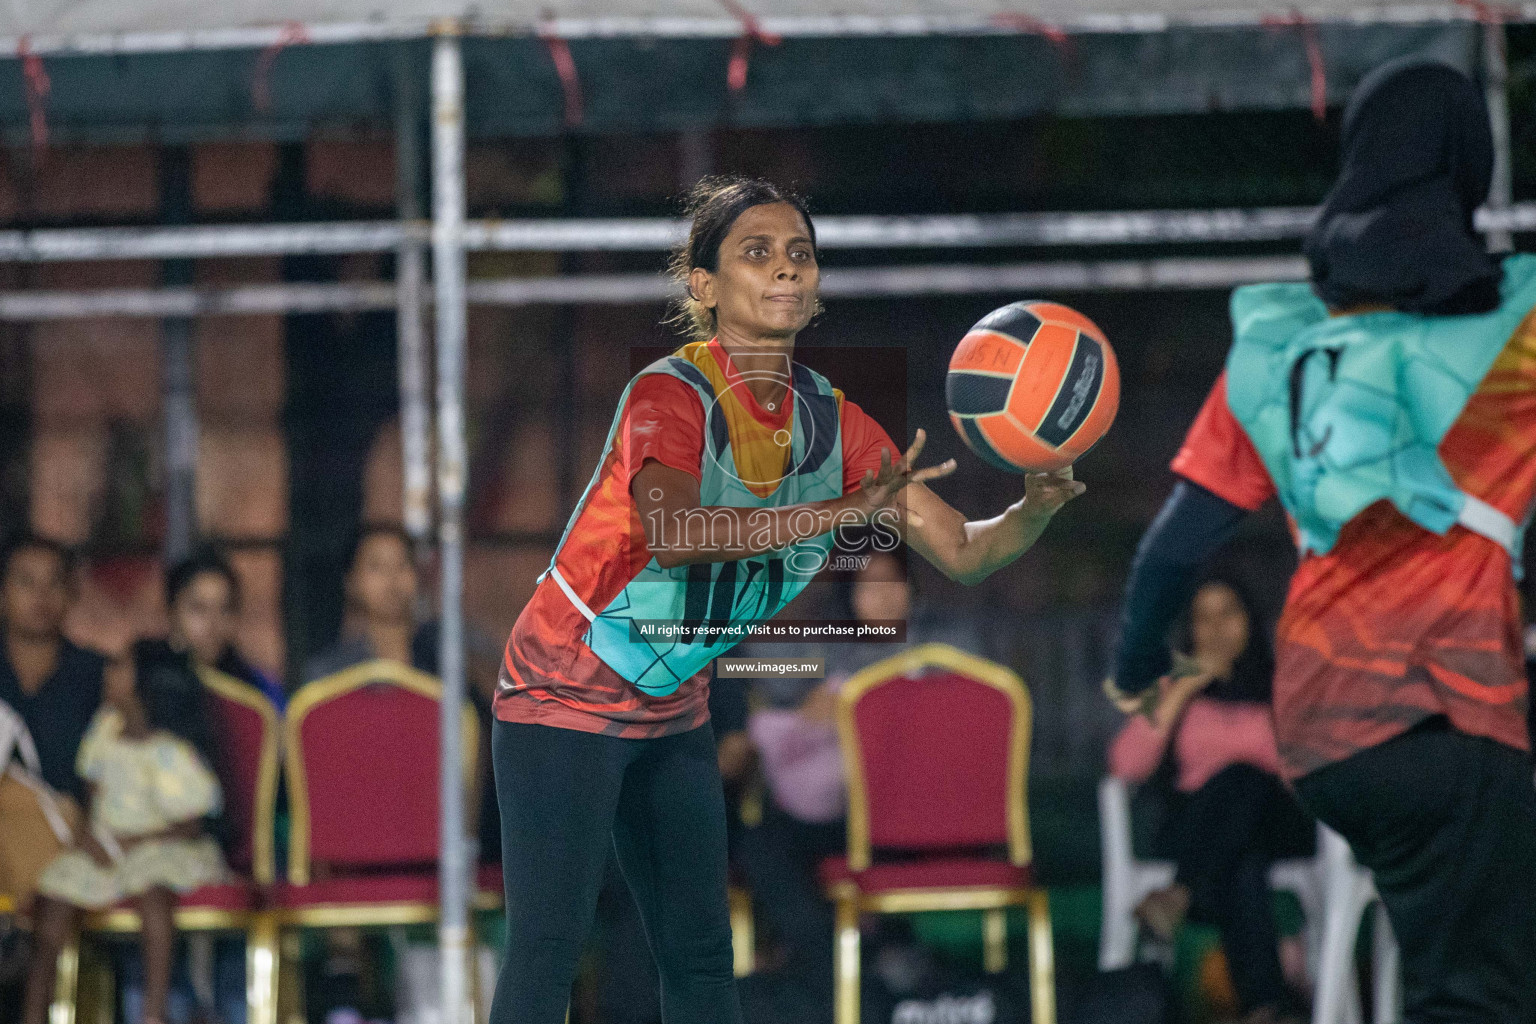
(203,560)
(27,540)
(713,206)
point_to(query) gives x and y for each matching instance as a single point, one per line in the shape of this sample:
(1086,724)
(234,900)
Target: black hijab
(1396,229)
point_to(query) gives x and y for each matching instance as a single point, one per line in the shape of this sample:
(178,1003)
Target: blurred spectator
(1228,816)
(793,733)
(53,685)
(382,591)
(148,758)
(202,595)
(380,616)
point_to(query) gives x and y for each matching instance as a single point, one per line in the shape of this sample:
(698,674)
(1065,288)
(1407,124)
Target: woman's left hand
(1045,493)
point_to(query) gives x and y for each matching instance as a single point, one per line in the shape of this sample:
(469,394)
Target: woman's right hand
(1174,694)
(880,489)
(1165,700)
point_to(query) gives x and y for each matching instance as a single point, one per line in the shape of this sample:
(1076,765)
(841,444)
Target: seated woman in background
(1229,817)
(382,586)
(202,595)
(148,761)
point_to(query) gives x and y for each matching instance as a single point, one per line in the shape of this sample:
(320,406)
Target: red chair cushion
(370,770)
(935,754)
(232,896)
(411,887)
(929,873)
(395,887)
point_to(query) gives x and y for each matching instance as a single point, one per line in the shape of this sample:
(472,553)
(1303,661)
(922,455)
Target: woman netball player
(726,470)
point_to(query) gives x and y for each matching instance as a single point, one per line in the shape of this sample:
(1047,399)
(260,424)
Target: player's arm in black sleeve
(1192,524)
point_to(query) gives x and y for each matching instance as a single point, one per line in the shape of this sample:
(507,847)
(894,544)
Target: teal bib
(717,593)
(1350,410)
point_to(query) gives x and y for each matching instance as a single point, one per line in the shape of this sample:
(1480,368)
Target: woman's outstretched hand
(880,489)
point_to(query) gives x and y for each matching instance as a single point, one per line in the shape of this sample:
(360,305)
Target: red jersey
(1396,624)
(548,676)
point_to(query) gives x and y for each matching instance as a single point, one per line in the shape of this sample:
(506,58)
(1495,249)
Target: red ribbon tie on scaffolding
(1489,14)
(1053,34)
(565,67)
(1314,48)
(292,34)
(741,51)
(37,88)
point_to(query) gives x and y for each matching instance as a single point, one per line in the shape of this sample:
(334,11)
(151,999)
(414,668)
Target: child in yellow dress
(152,786)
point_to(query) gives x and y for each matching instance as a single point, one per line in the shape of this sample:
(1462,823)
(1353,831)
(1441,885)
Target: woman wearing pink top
(1209,750)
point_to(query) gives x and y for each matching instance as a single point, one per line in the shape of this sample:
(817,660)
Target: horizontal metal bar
(967,230)
(657,234)
(262,36)
(632,289)
(619,234)
(932,231)
(207,240)
(184,302)
(596,289)
(1102,275)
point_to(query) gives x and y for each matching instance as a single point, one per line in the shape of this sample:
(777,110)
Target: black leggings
(564,796)
(1447,824)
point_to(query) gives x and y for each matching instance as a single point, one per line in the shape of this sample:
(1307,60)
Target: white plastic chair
(1348,890)
(1127,881)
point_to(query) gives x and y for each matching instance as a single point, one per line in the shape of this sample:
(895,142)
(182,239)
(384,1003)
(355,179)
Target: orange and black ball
(1033,386)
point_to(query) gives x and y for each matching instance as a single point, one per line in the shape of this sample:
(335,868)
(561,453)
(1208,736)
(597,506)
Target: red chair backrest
(366,756)
(940,755)
(246,726)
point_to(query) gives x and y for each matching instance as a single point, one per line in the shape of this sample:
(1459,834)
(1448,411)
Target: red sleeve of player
(664,420)
(1218,456)
(863,439)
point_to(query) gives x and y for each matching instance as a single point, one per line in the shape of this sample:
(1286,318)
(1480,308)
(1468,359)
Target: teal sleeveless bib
(1350,410)
(742,592)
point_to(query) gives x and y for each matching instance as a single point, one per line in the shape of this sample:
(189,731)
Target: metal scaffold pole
(1496,88)
(179,384)
(410,328)
(448,264)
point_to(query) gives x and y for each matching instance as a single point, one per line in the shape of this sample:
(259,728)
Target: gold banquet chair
(936,746)
(361,756)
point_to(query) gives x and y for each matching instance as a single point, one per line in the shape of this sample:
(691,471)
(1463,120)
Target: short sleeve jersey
(1396,624)
(548,676)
